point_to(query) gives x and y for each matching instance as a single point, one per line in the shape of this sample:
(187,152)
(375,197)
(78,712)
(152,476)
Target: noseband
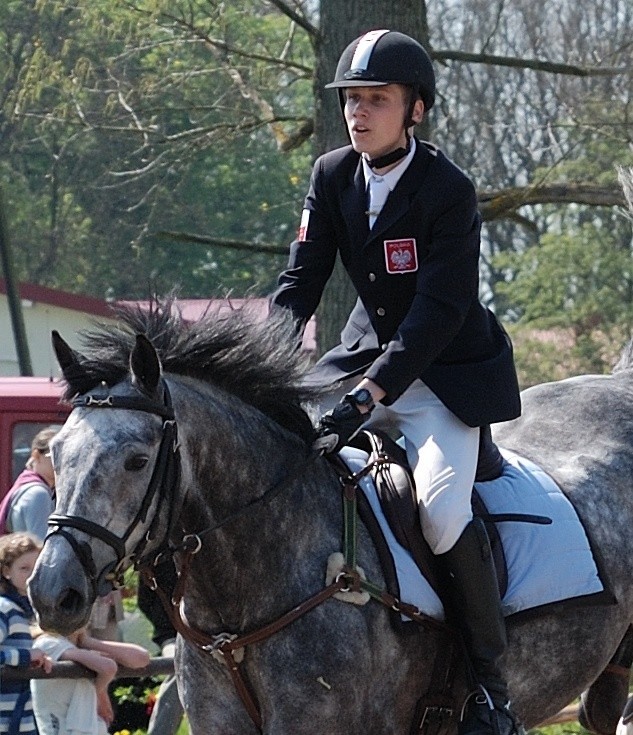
(164,480)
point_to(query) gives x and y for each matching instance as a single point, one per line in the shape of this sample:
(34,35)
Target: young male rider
(422,353)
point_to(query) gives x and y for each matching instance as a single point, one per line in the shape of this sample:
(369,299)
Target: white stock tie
(378,193)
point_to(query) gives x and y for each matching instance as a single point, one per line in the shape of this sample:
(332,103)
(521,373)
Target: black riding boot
(476,608)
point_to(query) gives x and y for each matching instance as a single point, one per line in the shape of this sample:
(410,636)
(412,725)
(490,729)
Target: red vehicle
(27,405)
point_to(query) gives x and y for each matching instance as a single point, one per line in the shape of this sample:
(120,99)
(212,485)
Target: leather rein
(228,647)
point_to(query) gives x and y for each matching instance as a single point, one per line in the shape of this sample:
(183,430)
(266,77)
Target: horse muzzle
(60,590)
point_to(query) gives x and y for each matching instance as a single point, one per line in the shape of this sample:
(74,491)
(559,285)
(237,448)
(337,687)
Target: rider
(419,352)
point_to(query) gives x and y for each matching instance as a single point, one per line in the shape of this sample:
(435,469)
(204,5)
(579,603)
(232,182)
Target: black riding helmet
(382,57)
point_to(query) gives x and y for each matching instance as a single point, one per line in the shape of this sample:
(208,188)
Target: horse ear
(145,365)
(73,371)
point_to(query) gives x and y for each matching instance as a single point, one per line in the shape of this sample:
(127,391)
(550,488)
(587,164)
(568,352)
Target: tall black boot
(475,607)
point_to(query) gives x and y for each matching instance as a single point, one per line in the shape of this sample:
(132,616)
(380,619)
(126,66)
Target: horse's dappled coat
(237,397)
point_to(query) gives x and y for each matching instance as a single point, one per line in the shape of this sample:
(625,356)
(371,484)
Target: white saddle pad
(546,563)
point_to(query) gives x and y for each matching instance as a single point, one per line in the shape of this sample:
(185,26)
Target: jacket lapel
(399,201)
(354,204)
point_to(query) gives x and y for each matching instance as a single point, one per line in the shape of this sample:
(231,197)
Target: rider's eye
(137,462)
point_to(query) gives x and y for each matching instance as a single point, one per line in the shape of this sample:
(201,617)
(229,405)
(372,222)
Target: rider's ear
(145,365)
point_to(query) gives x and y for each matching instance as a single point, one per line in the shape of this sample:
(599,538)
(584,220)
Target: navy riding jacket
(416,272)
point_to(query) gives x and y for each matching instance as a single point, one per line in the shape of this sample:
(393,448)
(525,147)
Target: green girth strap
(349,483)
(350,524)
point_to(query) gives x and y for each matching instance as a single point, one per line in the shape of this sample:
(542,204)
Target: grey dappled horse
(269,516)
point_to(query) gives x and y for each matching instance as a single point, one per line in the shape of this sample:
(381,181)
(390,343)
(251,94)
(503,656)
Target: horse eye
(137,462)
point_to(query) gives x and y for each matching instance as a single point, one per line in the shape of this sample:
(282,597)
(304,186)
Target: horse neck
(262,560)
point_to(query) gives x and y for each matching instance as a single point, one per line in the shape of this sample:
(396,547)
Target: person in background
(31,499)
(27,506)
(420,355)
(81,706)
(168,710)
(18,553)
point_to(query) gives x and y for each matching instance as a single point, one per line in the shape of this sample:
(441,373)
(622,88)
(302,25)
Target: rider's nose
(359,109)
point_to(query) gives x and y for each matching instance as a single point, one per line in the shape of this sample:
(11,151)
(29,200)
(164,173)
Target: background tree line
(148,143)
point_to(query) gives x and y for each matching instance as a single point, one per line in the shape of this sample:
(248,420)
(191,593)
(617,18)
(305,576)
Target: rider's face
(375,118)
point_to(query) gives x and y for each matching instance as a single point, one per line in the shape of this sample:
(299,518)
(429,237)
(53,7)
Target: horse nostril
(71,602)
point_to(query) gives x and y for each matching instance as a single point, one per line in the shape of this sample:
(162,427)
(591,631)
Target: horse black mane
(259,362)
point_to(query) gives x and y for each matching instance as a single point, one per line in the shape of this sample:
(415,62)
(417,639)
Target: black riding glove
(339,425)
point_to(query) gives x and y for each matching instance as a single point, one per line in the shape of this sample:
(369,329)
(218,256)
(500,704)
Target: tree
(340,24)
(473,25)
(145,107)
(130,128)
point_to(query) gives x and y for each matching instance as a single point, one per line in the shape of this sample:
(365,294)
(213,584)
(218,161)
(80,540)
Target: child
(420,354)
(18,552)
(73,706)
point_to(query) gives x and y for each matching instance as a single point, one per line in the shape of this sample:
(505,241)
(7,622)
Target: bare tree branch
(223,242)
(498,204)
(298,136)
(300,20)
(229,49)
(220,51)
(492,204)
(551,67)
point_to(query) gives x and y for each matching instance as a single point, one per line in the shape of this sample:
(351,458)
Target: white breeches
(442,451)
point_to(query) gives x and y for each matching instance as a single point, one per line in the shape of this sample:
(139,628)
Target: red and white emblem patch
(401,256)
(302,234)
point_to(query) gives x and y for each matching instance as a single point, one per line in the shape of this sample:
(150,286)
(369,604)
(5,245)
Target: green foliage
(543,355)
(573,296)
(569,728)
(580,278)
(121,121)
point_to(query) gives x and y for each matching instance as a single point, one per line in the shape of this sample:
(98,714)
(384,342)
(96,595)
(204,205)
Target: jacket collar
(354,197)
(399,201)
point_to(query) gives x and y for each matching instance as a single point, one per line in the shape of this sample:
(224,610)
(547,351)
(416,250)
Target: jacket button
(383,347)
(372,277)
(380,311)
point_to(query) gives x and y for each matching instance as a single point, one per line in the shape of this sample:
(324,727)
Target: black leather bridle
(163,482)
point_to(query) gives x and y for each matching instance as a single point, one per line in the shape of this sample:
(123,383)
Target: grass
(567,728)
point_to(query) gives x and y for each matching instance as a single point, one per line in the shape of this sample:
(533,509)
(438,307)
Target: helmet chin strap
(399,153)
(391,157)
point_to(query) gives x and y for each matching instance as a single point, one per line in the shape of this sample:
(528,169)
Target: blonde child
(81,706)
(18,553)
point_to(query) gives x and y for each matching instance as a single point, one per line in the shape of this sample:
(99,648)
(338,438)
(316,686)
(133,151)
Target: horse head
(110,476)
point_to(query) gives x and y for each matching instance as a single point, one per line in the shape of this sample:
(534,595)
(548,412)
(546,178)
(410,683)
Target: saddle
(437,708)
(395,487)
(600,706)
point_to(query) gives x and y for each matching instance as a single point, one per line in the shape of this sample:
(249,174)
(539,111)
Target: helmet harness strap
(399,153)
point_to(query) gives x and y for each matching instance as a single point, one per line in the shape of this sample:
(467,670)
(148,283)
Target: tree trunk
(341,22)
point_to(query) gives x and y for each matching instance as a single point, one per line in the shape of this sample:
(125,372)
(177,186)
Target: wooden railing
(158,666)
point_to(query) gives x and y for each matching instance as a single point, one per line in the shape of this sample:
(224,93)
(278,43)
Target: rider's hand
(339,425)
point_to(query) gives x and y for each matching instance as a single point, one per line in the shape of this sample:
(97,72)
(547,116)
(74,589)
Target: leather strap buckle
(435,719)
